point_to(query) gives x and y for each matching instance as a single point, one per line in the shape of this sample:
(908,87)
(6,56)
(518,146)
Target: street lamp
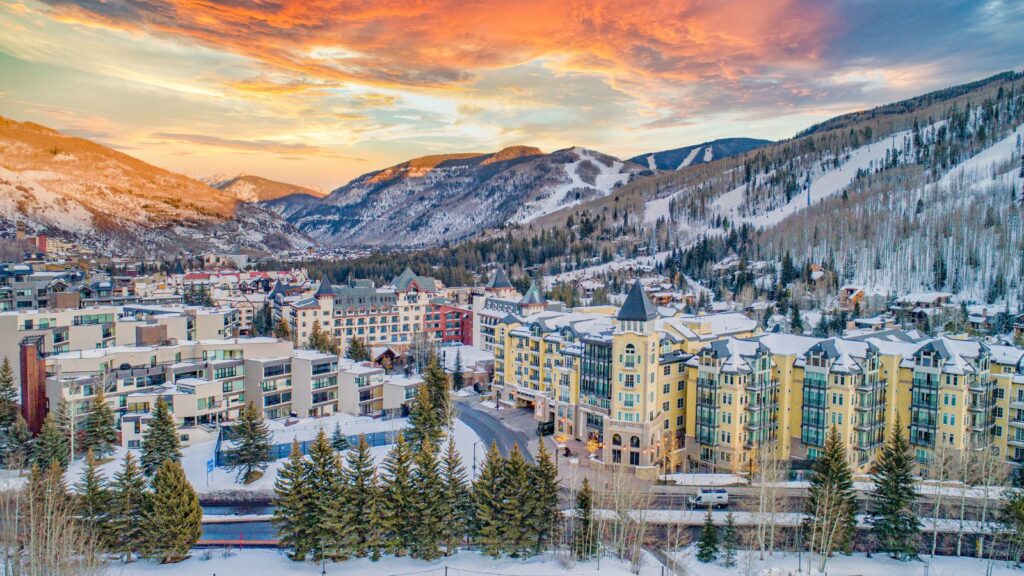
(474,457)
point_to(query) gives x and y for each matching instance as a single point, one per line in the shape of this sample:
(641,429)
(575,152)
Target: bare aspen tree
(41,534)
(964,475)
(993,474)
(826,526)
(628,499)
(767,477)
(940,470)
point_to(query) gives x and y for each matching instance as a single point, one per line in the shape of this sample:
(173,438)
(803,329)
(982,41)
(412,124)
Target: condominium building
(707,393)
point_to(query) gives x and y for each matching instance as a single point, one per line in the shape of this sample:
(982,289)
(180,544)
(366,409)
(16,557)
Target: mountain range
(72,187)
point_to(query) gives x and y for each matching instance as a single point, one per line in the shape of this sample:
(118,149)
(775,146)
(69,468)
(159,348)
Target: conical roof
(499,280)
(637,306)
(324,289)
(533,296)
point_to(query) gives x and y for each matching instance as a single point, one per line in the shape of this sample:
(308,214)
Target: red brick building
(447,322)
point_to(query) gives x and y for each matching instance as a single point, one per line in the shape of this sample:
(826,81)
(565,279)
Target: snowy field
(839,565)
(222,480)
(258,562)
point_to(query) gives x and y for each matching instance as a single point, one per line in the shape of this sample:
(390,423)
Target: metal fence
(224,457)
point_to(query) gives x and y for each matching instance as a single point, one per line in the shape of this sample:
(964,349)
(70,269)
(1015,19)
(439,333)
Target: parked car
(713,497)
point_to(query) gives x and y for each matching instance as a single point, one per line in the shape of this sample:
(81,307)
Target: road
(490,429)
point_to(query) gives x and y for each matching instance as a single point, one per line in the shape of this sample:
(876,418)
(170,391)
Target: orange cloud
(438,44)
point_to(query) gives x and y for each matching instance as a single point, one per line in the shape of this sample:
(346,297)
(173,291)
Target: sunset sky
(319,91)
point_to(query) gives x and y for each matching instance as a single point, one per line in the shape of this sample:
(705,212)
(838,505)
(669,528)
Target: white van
(713,497)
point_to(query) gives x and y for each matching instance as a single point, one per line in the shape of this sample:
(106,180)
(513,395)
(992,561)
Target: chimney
(33,382)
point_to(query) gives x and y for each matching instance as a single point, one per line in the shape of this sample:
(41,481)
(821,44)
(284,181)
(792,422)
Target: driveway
(491,429)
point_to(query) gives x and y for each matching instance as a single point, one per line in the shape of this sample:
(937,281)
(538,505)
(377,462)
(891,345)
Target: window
(634,442)
(616,440)
(634,458)
(667,369)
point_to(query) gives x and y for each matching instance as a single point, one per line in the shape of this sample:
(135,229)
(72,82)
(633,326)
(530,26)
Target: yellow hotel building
(663,393)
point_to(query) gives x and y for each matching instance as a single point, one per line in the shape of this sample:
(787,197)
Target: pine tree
(435,382)
(293,505)
(458,381)
(18,443)
(100,435)
(160,440)
(173,517)
(542,505)
(339,441)
(487,506)
(355,520)
(52,445)
(428,513)
(357,351)
(8,396)
(320,340)
(322,473)
(398,499)
(515,493)
(707,546)
(93,502)
(796,322)
(457,503)
(253,441)
(893,520)
(584,537)
(423,422)
(832,499)
(729,542)
(127,505)
(282,331)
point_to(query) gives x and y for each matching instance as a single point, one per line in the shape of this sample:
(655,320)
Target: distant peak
(513,152)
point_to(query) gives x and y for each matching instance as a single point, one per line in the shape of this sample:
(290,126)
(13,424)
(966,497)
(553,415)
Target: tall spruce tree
(293,505)
(584,536)
(542,506)
(322,473)
(458,380)
(355,520)
(398,493)
(93,501)
(893,520)
(18,443)
(457,503)
(707,545)
(832,500)
(424,424)
(100,435)
(8,395)
(729,543)
(428,513)
(487,506)
(127,505)
(339,441)
(51,445)
(435,381)
(173,517)
(160,440)
(253,441)
(513,497)
(357,351)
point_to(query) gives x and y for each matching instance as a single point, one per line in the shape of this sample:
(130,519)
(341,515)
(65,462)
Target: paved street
(491,428)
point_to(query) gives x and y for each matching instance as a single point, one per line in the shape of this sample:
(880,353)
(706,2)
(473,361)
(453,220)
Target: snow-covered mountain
(434,199)
(250,188)
(697,154)
(72,187)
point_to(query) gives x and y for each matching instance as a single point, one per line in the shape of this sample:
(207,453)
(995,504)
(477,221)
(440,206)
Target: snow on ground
(822,186)
(704,479)
(607,178)
(194,458)
(657,209)
(745,518)
(257,562)
(979,166)
(781,564)
(689,158)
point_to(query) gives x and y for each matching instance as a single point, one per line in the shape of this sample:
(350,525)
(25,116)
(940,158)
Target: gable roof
(637,306)
(408,277)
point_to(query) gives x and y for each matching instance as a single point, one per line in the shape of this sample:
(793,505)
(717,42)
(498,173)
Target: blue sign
(209,466)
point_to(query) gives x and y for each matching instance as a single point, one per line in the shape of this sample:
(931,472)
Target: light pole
(474,457)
